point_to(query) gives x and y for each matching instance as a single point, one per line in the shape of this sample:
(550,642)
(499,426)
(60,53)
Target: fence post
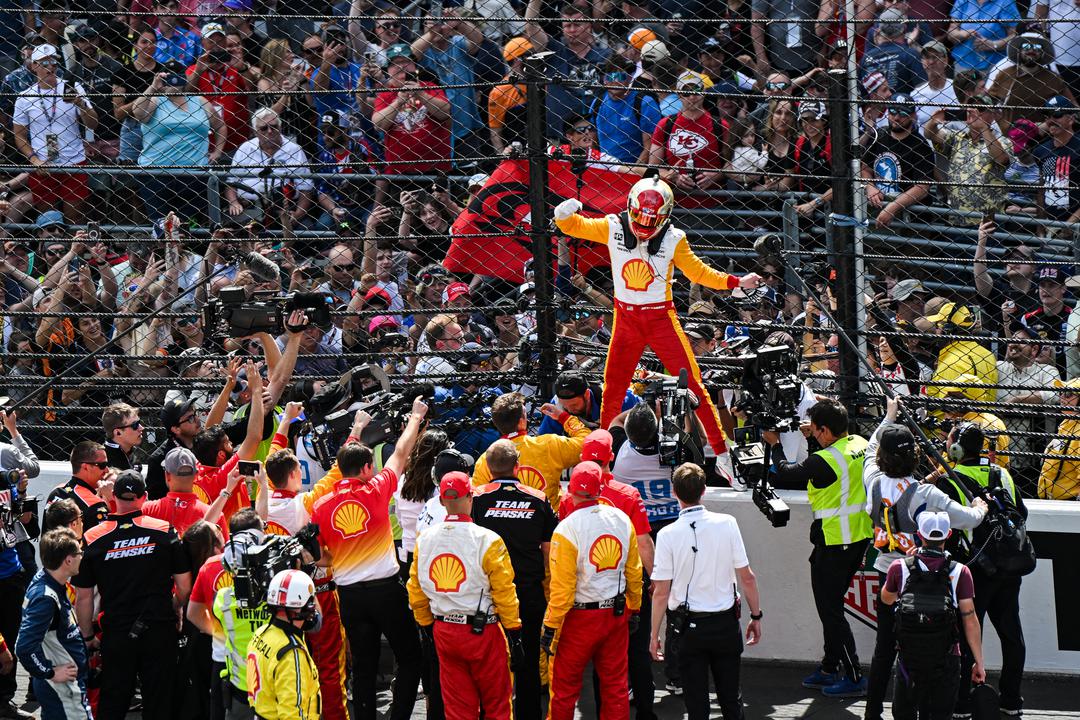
(536,151)
(843,204)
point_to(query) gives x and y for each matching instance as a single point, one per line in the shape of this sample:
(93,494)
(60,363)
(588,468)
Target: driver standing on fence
(645,248)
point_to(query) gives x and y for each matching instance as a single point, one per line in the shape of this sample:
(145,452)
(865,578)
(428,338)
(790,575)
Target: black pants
(527,703)
(150,658)
(711,645)
(1000,600)
(12,590)
(367,612)
(217,690)
(831,569)
(639,664)
(881,666)
(926,698)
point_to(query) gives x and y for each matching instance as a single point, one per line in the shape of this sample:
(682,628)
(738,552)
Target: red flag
(490,237)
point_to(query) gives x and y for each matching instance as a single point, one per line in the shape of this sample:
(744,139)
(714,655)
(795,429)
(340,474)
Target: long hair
(270,58)
(767,133)
(201,542)
(419,485)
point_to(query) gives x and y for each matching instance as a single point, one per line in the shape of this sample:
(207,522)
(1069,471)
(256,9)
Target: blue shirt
(477,439)
(177,136)
(343,79)
(971,15)
(620,127)
(48,629)
(550,426)
(184,47)
(454,66)
(900,65)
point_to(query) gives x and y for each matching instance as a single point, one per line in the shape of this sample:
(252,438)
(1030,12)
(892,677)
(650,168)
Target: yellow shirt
(282,681)
(965,357)
(1060,479)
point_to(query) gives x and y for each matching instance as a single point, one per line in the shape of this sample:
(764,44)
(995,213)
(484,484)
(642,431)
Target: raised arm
(570,221)
(255,419)
(697,271)
(404,446)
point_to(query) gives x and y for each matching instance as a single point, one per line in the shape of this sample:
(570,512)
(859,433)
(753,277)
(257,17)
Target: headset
(964,437)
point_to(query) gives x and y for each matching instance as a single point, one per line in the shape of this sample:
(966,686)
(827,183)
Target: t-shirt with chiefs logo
(212,577)
(700,141)
(415,139)
(354,527)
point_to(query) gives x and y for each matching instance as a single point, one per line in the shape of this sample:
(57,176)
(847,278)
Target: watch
(760,614)
(225,493)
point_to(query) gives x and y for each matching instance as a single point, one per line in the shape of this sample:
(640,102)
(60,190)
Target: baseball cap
(43,51)
(241,5)
(515,48)
(179,461)
(398,50)
(1032,333)
(450,461)
(700,331)
(957,314)
(690,81)
(586,481)
(33,39)
(570,384)
(212,27)
(129,485)
(935,47)
(906,288)
(454,291)
(891,22)
(474,353)
(873,81)
(1053,273)
(1058,102)
(377,292)
(897,439)
(334,118)
(813,109)
(454,485)
(902,104)
(712,45)
(173,410)
(654,51)
(691,75)
(478,180)
(964,383)
(50,218)
(639,36)
(597,447)
(1022,134)
(84,32)
(934,525)
(703,307)
(381,321)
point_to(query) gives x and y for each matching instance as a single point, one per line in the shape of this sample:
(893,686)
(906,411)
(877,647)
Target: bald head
(502,458)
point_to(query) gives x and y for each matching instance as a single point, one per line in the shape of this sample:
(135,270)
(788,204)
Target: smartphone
(93,236)
(75,264)
(249,468)
(955,115)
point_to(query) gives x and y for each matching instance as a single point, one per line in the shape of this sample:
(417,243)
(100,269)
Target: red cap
(453,291)
(377,291)
(454,485)
(597,447)
(586,481)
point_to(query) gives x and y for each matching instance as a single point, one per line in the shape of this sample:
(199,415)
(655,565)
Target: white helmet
(649,206)
(292,589)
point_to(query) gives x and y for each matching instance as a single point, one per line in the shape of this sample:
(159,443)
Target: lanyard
(50,116)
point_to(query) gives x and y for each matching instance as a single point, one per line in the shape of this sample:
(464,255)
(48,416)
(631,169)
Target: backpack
(925,620)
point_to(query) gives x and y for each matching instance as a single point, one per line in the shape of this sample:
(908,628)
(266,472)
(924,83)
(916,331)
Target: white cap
(41,52)
(212,27)
(934,525)
(478,179)
(654,51)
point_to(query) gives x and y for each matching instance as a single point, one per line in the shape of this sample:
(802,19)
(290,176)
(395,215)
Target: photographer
(840,533)
(469,403)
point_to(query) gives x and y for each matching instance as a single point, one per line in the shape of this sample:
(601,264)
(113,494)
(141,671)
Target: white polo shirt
(705,580)
(45,113)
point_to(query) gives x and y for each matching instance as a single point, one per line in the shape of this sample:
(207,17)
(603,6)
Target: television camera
(12,506)
(676,402)
(260,563)
(232,314)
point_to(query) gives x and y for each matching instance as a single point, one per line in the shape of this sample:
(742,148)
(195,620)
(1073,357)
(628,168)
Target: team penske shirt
(618,495)
(131,559)
(211,578)
(182,510)
(94,510)
(354,526)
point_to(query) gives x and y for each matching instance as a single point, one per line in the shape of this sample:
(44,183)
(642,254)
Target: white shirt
(705,579)
(1065,36)
(928,100)
(1036,375)
(435,365)
(290,165)
(432,513)
(45,113)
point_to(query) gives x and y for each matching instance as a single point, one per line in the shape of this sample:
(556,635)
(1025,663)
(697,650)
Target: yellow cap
(965,379)
(955,313)
(515,48)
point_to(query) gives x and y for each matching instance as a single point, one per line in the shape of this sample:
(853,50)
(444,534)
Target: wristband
(225,493)
(760,614)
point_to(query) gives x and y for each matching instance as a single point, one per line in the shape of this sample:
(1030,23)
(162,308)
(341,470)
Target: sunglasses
(388,25)
(342,268)
(137,425)
(98,465)
(901,111)
(583,128)
(1030,46)
(313,50)
(616,77)
(185,321)
(189,418)
(777,85)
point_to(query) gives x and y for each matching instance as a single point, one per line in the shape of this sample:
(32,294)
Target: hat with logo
(398,50)
(897,440)
(1030,331)
(50,218)
(703,307)
(241,5)
(902,104)
(906,288)
(334,118)
(515,48)
(597,447)
(934,525)
(377,295)
(654,51)
(1023,134)
(700,331)
(1053,273)
(691,81)
(129,485)
(812,109)
(639,36)
(454,291)
(382,321)
(955,313)
(174,410)
(43,51)
(478,180)
(454,485)
(873,81)
(180,461)
(212,28)
(586,481)
(934,47)
(570,384)
(474,353)
(450,461)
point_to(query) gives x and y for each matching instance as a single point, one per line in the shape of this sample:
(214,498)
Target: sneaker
(1013,712)
(820,679)
(961,716)
(674,687)
(846,688)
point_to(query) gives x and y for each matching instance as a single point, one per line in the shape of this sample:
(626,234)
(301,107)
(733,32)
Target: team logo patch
(637,275)
(350,519)
(253,680)
(272,528)
(605,553)
(447,572)
(685,143)
(530,477)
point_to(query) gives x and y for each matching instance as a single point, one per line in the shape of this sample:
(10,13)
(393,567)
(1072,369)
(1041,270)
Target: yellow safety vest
(841,507)
(981,474)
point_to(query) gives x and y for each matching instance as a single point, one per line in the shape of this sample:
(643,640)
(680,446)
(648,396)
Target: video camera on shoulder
(676,402)
(771,388)
(232,314)
(260,563)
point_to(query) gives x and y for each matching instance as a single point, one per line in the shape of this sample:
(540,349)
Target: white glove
(567,208)
(725,470)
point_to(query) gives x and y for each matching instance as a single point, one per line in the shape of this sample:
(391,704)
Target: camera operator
(356,535)
(575,395)
(840,533)
(895,502)
(281,676)
(134,562)
(91,483)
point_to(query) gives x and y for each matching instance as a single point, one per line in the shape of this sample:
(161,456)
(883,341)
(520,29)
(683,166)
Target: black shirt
(999,293)
(131,559)
(118,458)
(1050,328)
(892,160)
(94,510)
(523,518)
(796,476)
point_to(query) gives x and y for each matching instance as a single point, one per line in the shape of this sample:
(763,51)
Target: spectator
(249,41)
(900,163)
(129,83)
(961,357)
(938,88)
(916,31)
(977,158)
(748,157)
(891,55)
(1029,82)
(47,132)
(1050,319)
(414,116)
(1064,32)
(1059,158)
(790,47)
(813,151)
(1060,477)
(1011,296)
(1024,174)
(502,98)
(442,333)
(341,274)
(581,53)
(580,134)
(220,84)
(388,32)
(979,32)
(457,300)
(175,43)
(95,71)
(447,48)
(21,77)
(715,61)
(280,78)
(335,77)
(344,200)
(176,130)
(779,136)
(690,147)
(625,118)
(876,90)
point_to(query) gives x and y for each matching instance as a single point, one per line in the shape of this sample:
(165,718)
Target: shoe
(961,716)
(820,679)
(674,687)
(11,711)
(1013,712)
(846,688)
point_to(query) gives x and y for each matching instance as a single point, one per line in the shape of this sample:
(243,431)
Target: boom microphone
(768,244)
(261,268)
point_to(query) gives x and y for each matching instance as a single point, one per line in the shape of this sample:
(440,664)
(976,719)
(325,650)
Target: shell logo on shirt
(605,553)
(447,572)
(253,676)
(350,519)
(223,580)
(531,477)
(272,528)
(637,275)
(200,493)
